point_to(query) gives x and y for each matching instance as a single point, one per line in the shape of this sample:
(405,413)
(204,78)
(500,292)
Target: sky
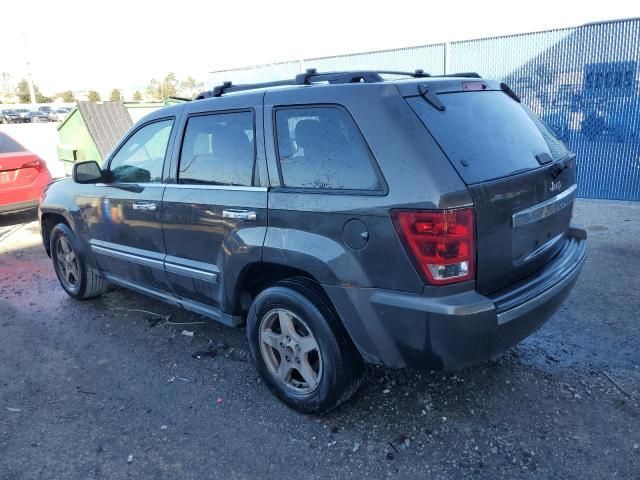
(81,45)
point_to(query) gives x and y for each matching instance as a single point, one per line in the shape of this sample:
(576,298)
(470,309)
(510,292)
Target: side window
(141,158)
(322,148)
(218,149)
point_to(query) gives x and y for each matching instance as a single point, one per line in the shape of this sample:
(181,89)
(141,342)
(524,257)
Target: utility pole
(447,58)
(4,90)
(32,90)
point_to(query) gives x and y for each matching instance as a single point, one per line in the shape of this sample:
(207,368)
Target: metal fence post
(447,59)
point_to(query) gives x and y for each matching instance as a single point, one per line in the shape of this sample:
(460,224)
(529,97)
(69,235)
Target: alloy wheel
(290,351)
(67,263)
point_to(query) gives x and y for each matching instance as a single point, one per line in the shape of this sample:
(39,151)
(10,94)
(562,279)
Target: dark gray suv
(348,217)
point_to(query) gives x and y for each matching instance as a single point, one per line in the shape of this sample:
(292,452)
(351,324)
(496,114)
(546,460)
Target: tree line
(170,86)
(156,90)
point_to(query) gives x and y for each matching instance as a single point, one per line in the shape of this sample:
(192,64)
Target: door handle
(145,206)
(247,215)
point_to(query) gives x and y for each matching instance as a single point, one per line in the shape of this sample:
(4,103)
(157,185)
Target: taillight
(440,243)
(37,164)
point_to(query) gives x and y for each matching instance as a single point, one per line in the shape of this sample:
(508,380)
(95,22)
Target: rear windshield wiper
(430,97)
(506,89)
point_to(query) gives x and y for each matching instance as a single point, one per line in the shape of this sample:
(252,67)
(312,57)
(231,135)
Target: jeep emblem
(555,186)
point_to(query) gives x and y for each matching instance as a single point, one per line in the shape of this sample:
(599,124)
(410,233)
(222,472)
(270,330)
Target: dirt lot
(102,389)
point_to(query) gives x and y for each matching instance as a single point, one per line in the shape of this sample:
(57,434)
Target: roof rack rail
(227,87)
(461,74)
(313,76)
(356,76)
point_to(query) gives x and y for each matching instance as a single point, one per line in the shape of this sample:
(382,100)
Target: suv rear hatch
(521,177)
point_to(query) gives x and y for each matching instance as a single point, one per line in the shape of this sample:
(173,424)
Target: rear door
(329,202)
(215,210)
(521,177)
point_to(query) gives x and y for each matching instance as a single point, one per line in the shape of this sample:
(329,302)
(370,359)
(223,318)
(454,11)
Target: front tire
(301,349)
(76,277)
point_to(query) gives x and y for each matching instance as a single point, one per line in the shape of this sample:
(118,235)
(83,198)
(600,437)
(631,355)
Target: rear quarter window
(321,148)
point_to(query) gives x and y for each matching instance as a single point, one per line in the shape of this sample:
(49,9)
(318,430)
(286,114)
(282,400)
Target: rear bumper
(450,332)
(16,199)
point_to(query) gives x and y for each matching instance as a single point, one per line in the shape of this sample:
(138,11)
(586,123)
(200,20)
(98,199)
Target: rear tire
(75,275)
(311,365)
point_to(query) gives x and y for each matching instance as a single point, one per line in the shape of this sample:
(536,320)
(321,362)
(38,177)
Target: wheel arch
(257,276)
(48,220)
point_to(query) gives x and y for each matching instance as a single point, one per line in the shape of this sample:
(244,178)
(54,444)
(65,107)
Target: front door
(125,219)
(215,214)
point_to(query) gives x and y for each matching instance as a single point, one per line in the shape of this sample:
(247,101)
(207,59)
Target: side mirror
(87,172)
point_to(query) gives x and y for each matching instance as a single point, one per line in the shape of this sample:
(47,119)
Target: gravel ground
(103,389)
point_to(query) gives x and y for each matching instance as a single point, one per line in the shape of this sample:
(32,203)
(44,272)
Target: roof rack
(313,76)
(357,76)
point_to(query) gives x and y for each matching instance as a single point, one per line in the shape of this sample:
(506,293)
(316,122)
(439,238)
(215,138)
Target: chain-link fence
(582,81)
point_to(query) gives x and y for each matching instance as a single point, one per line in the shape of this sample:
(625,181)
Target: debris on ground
(87,392)
(222,349)
(187,333)
(154,318)
(130,458)
(617,385)
(14,409)
(153,321)
(405,441)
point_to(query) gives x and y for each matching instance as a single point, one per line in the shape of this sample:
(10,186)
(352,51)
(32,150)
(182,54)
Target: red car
(23,176)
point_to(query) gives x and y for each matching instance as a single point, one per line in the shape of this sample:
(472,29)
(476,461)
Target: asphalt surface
(103,389)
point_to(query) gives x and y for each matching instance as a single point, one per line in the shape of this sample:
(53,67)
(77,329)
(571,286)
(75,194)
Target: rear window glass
(321,148)
(487,135)
(9,145)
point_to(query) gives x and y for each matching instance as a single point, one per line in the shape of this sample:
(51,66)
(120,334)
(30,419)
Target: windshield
(487,135)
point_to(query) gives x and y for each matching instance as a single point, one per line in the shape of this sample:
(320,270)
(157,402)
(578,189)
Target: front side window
(322,148)
(218,149)
(141,158)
